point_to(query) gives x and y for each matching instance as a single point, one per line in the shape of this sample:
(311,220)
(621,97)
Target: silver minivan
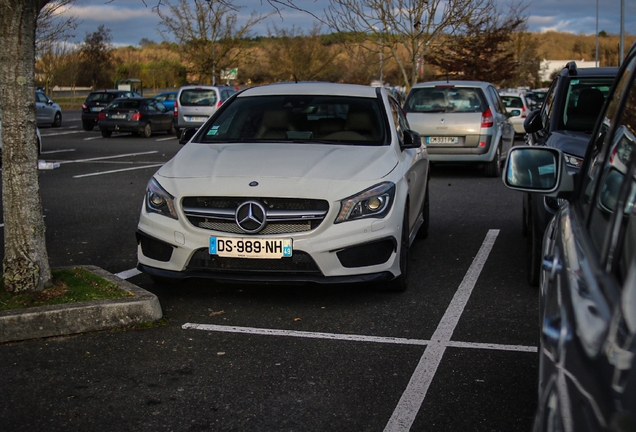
(461,121)
(196,103)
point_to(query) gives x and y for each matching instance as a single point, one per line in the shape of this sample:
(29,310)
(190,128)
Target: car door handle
(552,264)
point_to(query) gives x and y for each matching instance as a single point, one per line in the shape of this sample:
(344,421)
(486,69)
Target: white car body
(266,171)
(516,101)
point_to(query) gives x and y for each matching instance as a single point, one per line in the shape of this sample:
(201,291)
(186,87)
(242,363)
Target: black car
(98,100)
(138,115)
(587,348)
(565,121)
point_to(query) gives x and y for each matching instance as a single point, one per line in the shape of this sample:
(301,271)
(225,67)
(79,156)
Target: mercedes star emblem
(251,217)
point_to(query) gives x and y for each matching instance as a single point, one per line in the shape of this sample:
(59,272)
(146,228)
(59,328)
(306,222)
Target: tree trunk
(26,265)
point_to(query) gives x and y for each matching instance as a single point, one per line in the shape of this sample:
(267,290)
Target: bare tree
(294,55)
(208,33)
(53,27)
(405,29)
(26,264)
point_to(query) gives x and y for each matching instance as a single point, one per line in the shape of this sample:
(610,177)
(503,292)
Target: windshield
(583,103)
(124,104)
(445,99)
(299,118)
(512,102)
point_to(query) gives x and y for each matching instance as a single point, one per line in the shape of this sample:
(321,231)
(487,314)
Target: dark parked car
(137,115)
(167,99)
(587,373)
(565,121)
(98,100)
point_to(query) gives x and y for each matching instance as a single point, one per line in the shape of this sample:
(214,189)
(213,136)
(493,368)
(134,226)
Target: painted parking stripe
(350,337)
(127,274)
(58,151)
(413,397)
(117,171)
(61,133)
(109,157)
(166,139)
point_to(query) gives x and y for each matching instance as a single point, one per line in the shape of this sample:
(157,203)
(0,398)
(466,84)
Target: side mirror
(186,135)
(514,113)
(412,139)
(537,169)
(533,122)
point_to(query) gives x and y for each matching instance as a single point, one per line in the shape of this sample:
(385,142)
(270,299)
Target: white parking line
(109,157)
(93,138)
(117,171)
(166,139)
(62,133)
(127,274)
(413,397)
(58,151)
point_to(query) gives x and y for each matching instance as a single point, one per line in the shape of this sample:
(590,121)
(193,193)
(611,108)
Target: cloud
(108,13)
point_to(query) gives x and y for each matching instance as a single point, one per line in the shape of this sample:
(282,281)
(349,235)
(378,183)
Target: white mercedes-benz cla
(294,182)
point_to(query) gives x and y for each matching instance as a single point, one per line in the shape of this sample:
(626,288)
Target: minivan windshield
(299,118)
(198,97)
(445,99)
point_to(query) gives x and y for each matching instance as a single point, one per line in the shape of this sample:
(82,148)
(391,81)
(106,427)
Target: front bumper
(356,251)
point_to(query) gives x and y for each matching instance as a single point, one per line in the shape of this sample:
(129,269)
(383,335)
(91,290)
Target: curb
(72,318)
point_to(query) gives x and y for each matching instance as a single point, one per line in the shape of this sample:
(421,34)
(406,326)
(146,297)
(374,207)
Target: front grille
(283,215)
(300,262)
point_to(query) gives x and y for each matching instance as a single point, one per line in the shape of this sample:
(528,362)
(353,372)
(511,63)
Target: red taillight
(176,108)
(218,104)
(101,116)
(135,117)
(487,119)
(524,113)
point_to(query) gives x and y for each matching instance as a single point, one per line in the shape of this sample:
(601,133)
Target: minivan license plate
(442,140)
(250,247)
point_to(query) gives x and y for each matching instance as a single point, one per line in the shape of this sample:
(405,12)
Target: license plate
(118,116)
(442,140)
(97,109)
(250,247)
(196,119)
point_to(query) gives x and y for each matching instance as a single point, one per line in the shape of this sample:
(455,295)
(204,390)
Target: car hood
(283,161)
(570,142)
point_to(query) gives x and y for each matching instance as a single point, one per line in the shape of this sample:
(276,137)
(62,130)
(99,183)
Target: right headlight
(159,201)
(374,202)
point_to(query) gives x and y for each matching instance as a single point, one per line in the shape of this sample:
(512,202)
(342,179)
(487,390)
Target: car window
(445,99)
(583,102)
(226,93)
(401,123)
(41,97)
(546,108)
(101,97)
(512,101)
(198,97)
(609,179)
(124,104)
(499,107)
(299,118)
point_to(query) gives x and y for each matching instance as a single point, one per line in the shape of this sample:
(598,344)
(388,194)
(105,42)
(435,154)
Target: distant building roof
(549,66)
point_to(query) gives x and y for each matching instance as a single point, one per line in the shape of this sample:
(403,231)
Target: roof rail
(571,68)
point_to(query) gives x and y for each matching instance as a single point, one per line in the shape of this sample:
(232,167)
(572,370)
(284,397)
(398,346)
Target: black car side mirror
(533,122)
(186,135)
(412,139)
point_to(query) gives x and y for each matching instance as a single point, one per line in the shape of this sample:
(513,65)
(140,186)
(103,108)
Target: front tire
(106,133)
(400,283)
(422,233)
(57,120)
(88,125)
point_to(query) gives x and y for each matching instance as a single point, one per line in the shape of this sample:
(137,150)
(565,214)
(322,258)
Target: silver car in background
(47,111)
(461,121)
(196,103)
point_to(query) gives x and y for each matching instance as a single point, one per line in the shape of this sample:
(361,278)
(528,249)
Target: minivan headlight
(374,202)
(159,201)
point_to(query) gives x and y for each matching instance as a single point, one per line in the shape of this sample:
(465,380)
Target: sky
(132,20)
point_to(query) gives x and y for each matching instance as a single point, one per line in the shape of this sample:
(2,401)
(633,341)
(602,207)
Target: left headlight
(573,161)
(159,201)
(374,202)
